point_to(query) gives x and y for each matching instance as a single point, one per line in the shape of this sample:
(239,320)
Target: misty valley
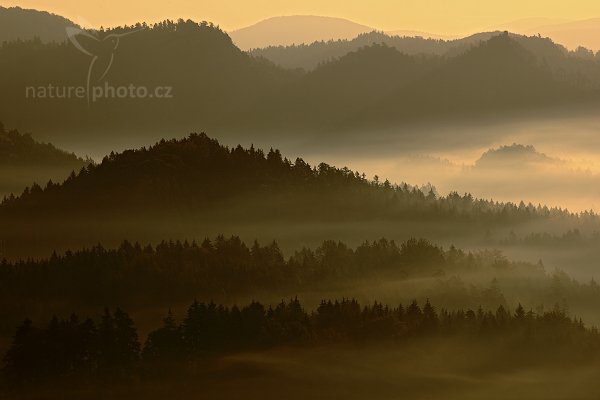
(318,210)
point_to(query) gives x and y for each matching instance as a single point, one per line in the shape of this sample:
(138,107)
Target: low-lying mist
(511,173)
(451,369)
(547,160)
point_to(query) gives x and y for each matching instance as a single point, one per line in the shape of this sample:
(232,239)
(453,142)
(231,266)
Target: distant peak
(295,29)
(301,18)
(511,154)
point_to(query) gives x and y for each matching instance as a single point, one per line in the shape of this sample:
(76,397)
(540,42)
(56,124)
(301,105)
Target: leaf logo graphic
(74,34)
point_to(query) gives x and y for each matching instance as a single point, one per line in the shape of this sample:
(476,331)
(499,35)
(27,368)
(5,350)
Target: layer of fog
(445,156)
(450,369)
(435,369)
(562,170)
(511,173)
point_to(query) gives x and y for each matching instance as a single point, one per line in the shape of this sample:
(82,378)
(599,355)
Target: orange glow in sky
(440,16)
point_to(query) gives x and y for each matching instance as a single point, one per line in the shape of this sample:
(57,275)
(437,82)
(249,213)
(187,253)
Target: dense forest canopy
(145,277)
(179,270)
(193,184)
(199,169)
(82,350)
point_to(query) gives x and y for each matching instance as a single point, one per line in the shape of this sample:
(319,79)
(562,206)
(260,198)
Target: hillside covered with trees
(216,86)
(24,160)
(17,149)
(144,277)
(196,183)
(311,56)
(200,170)
(23,24)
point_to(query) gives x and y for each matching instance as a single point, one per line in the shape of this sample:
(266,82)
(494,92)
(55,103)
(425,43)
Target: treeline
(110,349)
(174,271)
(568,239)
(310,56)
(74,348)
(185,175)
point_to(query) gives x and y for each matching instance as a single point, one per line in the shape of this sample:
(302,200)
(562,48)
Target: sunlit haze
(438,16)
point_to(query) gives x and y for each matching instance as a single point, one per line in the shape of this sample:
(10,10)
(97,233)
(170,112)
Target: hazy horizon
(437,17)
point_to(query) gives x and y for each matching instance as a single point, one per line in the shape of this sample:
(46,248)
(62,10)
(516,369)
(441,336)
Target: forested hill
(22,150)
(195,187)
(216,86)
(310,56)
(21,24)
(377,85)
(344,87)
(208,76)
(200,171)
(497,74)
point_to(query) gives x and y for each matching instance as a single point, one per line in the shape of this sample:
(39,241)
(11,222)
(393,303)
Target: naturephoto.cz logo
(96,87)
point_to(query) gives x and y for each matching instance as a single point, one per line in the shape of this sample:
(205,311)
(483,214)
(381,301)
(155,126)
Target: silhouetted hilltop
(576,67)
(188,71)
(17,23)
(378,86)
(579,65)
(496,76)
(199,171)
(195,186)
(514,156)
(309,56)
(18,149)
(342,87)
(295,29)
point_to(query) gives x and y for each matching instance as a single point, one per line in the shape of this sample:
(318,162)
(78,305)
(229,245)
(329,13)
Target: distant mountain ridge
(296,29)
(501,74)
(218,87)
(17,23)
(209,76)
(309,56)
(514,156)
(498,74)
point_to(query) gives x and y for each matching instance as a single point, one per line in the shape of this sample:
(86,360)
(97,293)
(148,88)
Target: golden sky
(436,16)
